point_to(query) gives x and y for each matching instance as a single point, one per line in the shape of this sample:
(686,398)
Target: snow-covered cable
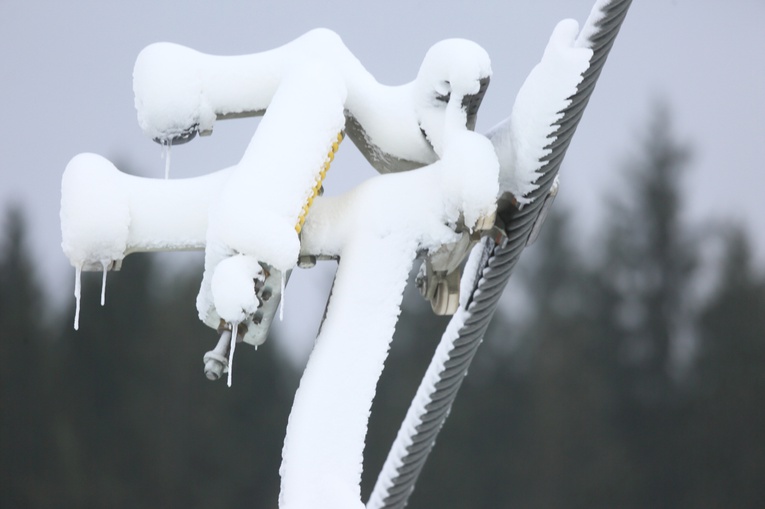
(460,341)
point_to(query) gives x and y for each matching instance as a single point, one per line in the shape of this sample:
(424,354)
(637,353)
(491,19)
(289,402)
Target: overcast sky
(66,87)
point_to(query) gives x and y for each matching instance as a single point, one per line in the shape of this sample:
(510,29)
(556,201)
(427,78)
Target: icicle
(105,265)
(77,291)
(234,334)
(166,146)
(281,304)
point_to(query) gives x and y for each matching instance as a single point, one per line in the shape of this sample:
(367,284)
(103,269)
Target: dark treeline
(633,377)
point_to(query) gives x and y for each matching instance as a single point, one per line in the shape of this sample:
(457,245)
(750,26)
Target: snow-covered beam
(107,214)
(377,230)
(180,91)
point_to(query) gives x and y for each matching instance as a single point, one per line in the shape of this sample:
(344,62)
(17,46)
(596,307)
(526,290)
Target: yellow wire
(319,181)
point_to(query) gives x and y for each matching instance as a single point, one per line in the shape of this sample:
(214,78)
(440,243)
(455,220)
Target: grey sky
(66,87)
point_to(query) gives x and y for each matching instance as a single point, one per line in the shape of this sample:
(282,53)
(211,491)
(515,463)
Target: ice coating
(521,140)
(166,147)
(232,348)
(283,289)
(105,269)
(77,295)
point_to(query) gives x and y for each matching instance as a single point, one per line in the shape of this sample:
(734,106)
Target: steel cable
(460,341)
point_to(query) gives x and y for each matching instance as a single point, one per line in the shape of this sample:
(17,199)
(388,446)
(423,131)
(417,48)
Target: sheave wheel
(446,300)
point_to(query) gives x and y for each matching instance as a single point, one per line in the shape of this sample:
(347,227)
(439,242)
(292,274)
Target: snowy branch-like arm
(180,91)
(107,214)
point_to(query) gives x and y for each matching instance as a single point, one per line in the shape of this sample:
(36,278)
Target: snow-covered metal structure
(457,192)
(488,272)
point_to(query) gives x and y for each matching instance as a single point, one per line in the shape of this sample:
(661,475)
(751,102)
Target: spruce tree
(24,440)
(646,307)
(728,435)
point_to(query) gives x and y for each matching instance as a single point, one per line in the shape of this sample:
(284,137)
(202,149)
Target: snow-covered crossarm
(377,239)
(180,91)
(107,214)
(257,219)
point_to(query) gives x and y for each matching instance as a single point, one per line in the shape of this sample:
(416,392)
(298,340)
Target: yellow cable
(319,181)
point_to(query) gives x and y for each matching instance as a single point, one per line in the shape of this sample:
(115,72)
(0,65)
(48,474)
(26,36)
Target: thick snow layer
(233,287)
(262,200)
(178,89)
(451,68)
(521,140)
(323,450)
(421,202)
(95,211)
(234,291)
(376,229)
(259,207)
(106,214)
(250,214)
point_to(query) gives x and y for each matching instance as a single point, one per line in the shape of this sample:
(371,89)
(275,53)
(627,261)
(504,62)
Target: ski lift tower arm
(458,345)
